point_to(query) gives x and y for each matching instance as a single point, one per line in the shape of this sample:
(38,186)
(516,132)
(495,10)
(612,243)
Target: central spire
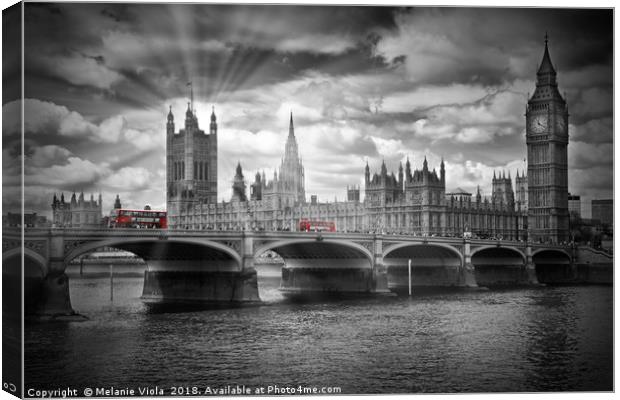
(291,128)
(546,66)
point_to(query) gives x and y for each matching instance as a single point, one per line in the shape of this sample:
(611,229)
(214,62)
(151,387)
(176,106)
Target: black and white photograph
(225,199)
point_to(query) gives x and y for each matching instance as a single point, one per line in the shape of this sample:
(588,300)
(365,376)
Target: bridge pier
(467,276)
(379,269)
(530,267)
(248,277)
(54,297)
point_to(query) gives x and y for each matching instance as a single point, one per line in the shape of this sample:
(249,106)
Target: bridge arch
(433,264)
(37,260)
(552,266)
(499,265)
(392,248)
(14,290)
(133,245)
(508,249)
(539,252)
(331,247)
(323,266)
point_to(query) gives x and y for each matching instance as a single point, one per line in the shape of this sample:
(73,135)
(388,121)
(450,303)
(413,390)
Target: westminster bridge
(218,266)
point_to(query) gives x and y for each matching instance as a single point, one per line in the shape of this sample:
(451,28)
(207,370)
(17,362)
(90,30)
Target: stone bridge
(218,266)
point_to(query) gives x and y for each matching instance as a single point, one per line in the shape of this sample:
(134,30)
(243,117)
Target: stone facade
(77,213)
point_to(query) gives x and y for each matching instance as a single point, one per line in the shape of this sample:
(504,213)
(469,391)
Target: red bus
(306,225)
(124,218)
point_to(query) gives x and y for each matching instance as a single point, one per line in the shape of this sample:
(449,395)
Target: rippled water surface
(540,339)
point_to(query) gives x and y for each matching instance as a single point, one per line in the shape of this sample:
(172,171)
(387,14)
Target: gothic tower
(238,186)
(502,190)
(191,170)
(292,170)
(547,170)
(521,192)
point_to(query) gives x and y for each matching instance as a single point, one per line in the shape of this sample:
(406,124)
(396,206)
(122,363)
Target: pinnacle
(546,66)
(291,127)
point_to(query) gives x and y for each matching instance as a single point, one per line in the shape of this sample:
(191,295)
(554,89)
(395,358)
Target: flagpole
(191,96)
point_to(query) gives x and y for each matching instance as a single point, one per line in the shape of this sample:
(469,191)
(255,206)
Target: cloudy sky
(363,83)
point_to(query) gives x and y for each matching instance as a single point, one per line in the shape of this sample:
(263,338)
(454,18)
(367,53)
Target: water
(539,339)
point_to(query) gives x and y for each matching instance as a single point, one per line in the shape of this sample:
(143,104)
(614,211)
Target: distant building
(117,203)
(353,193)
(239,186)
(77,213)
(459,194)
(603,210)
(574,205)
(31,220)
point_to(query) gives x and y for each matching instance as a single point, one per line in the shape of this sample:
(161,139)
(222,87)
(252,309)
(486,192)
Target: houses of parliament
(413,202)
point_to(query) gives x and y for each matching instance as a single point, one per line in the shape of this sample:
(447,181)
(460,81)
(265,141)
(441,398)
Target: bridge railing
(133,232)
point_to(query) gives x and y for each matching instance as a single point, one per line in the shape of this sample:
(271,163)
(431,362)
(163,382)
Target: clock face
(538,123)
(560,123)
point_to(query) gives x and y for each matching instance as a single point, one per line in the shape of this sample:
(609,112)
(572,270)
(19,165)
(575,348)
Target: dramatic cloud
(82,70)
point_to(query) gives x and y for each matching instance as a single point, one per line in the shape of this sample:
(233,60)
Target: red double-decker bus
(306,225)
(125,218)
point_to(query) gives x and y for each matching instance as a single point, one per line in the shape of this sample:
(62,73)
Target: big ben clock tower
(547,170)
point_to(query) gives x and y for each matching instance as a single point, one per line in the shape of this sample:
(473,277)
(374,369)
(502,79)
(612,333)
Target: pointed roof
(546,66)
(213,114)
(291,127)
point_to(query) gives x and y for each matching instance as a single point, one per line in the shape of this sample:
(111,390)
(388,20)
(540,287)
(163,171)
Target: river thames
(509,340)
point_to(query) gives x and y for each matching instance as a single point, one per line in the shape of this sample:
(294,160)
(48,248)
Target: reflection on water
(542,339)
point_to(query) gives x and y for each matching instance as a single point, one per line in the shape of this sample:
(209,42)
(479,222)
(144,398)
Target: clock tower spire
(547,171)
